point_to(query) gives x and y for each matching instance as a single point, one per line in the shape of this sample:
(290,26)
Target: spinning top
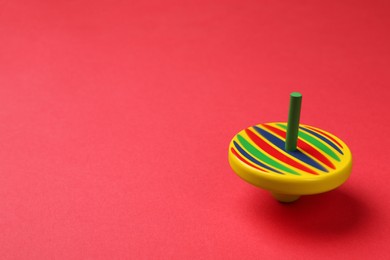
(290,159)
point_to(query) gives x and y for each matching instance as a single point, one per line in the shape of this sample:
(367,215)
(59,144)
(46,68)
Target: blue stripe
(297,154)
(250,158)
(326,140)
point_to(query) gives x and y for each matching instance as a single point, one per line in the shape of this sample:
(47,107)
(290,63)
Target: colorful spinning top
(290,159)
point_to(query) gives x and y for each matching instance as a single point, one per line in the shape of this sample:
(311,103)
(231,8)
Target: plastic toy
(290,159)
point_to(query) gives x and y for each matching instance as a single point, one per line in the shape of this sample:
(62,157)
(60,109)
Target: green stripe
(318,144)
(263,157)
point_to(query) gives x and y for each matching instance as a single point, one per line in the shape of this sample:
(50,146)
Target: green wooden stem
(293,121)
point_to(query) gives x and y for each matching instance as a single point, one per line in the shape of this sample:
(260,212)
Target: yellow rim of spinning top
(320,163)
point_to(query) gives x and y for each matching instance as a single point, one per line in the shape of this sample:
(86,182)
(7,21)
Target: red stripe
(323,133)
(304,146)
(275,153)
(243,160)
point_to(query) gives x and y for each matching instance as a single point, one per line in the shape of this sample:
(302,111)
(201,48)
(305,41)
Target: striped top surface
(262,147)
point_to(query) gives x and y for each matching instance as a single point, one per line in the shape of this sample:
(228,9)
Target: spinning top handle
(293,121)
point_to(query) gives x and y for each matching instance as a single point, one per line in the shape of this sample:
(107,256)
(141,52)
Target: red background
(115,119)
